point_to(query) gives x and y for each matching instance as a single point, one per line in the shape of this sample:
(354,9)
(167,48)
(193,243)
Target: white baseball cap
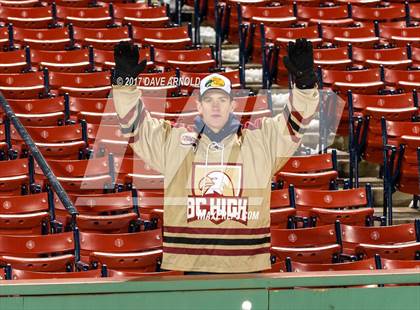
(215,81)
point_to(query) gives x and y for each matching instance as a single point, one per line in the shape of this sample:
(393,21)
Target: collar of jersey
(230,127)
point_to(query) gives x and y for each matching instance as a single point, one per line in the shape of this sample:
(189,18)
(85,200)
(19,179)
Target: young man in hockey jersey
(217,174)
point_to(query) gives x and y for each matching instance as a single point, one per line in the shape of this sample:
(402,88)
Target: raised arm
(284,132)
(147,134)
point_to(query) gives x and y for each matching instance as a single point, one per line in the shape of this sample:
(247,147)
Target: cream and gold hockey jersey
(217,195)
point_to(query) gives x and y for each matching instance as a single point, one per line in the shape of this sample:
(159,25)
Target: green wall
(275,291)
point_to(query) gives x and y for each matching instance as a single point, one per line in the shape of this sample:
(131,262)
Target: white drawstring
(216,146)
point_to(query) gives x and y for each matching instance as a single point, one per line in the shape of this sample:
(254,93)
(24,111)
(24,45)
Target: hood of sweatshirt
(230,127)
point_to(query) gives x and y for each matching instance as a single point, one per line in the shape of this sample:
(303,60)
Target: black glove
(127,66)
(300,63)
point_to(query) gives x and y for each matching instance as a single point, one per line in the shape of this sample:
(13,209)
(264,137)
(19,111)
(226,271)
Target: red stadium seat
(128,274)
(57,141)
(159,84)
(18,274)
(4,38)
(366,264)
(279,16)
(174,109)
(406,79)
(44,39)
(388,57)
(358,36)
(248,9)
(282,36)
(306,245)
(393,242)
(400,35)
(71,3)
(28,214)
(39,112)
(65,61)
(332,58)
(151,204)
(91,17)
(330,15)
(105,139)
(198,60)
(101,38)
(20,3)
(13,61)
(142,17)
(250,108)
(399,107)
(103,213)
(350,206)
(126,4)
(282,210)
(361,102)
(253,15)
(415,11)
(408,172)
(373,149)
(14,177)
(170,104)
(54,252)
(167,38)
(104,59)
(91,176)
(358,2)
(135,173)
(391,264)
(366,81)
(22,85)
(393,11)
(94,84)
(310,171)
(93,110)
(415,56)
(136,251)
(28,17)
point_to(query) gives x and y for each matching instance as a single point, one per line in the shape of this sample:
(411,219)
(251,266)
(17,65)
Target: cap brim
(217,88)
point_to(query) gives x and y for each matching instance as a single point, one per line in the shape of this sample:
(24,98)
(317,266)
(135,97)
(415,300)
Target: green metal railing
(321,290)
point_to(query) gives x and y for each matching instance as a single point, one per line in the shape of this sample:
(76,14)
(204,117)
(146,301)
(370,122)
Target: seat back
(94,84)
(44,39)
(89,17)
(101,38)
(168,38)
(353,235)
(142,17)
(394,11)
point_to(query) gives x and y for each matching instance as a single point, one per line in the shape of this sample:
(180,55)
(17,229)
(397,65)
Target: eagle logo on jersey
(217,194)
(218,183)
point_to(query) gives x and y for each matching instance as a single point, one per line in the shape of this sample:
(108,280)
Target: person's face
(215,107)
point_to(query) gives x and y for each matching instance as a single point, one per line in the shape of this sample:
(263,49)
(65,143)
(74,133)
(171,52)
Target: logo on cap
(215,82)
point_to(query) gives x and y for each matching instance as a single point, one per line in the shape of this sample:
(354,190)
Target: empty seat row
(109,15)
(337,243)
(141,251)
(69,37)
(74,250)
(367,264)
(89,60)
